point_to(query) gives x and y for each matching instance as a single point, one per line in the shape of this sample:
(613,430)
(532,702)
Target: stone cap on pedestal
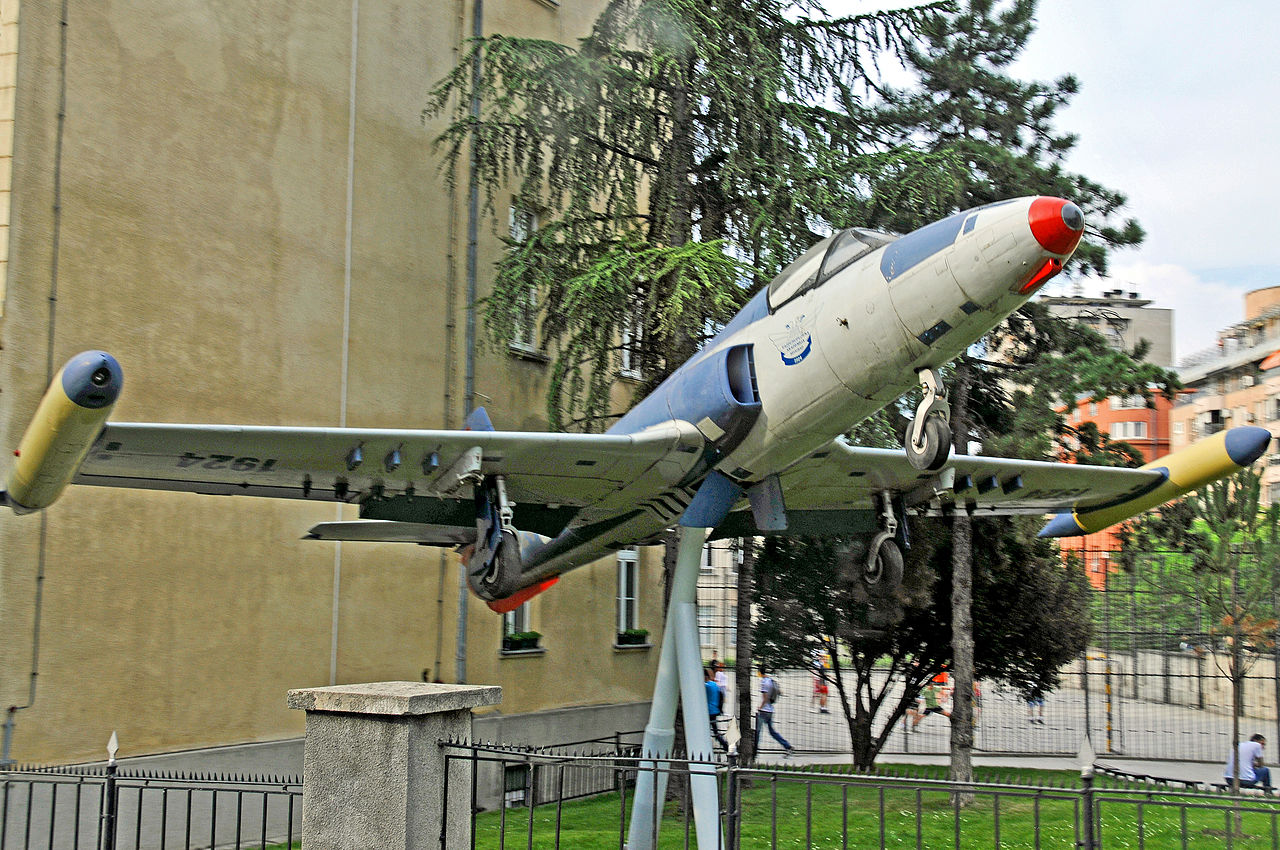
(394,698)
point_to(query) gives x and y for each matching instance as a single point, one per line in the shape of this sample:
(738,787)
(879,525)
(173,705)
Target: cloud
(1204,305)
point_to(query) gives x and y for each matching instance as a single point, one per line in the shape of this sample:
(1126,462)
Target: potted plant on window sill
(518,641)
(633,637)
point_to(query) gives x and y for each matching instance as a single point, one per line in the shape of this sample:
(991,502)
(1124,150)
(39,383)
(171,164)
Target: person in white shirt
(769,692)
(1248,756)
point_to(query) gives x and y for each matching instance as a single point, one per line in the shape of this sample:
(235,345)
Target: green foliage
(676,130)
(1218,556)
(1045,364)
(1002,127)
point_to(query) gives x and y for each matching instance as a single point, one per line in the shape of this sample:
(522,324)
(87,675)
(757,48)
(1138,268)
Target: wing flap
(390,531)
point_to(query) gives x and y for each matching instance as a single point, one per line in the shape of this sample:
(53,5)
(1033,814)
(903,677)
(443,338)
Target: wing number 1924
(237,464)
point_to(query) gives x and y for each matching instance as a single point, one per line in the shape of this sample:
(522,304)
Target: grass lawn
(798,810)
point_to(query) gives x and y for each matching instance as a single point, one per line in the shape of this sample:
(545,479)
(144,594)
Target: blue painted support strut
(674,668)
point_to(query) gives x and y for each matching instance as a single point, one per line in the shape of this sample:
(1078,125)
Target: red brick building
(1147,430)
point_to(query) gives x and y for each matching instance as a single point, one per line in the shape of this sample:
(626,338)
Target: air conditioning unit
(1248,381)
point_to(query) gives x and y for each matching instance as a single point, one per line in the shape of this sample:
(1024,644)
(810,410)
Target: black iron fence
(55,808)
(827,806)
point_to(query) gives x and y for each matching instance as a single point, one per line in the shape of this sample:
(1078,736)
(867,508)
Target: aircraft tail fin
(478,420)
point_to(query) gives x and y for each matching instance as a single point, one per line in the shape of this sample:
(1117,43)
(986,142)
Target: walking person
(769,693)
(1035,708)
(713,706)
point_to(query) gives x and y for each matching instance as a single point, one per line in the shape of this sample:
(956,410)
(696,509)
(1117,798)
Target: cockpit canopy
(823,260)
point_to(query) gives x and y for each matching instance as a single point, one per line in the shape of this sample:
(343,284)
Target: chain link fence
(1154,684)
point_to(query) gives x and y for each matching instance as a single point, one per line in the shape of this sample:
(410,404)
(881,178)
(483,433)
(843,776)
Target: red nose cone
(1056,224)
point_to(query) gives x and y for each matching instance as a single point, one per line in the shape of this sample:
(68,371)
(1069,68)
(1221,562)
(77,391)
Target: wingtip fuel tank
(66,422)
(1187,469)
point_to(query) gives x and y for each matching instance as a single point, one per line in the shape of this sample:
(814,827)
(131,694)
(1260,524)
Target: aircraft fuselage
(838,335)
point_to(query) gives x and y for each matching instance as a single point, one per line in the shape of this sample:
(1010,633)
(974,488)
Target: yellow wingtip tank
(69,418)
(1223,454)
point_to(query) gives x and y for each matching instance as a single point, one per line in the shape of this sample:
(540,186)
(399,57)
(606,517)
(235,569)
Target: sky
(1178,110)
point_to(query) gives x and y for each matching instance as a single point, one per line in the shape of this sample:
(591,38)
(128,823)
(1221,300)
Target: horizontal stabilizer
(389,531)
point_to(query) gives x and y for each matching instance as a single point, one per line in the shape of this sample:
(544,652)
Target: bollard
(374,773)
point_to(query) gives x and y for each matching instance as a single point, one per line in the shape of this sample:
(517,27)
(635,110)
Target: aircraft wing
(844,476)
(565,469)
(832,491)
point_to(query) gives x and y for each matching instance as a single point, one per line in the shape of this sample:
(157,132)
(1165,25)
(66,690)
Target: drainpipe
(469,354)
(55,248)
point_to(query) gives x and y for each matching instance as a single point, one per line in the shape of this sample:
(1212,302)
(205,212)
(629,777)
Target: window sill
(515,653)
(632,647)
(527,352)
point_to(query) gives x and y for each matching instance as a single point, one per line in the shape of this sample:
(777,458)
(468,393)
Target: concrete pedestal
(373,770)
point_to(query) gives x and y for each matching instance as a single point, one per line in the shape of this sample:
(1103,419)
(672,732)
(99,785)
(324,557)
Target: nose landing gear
(928,440)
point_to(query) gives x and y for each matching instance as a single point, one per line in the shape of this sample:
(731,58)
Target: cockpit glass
(823,260)
(849,246)
(799,276)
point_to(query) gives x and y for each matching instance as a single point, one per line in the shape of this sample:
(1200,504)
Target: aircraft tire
(502,580)
(882,570)
(937,445)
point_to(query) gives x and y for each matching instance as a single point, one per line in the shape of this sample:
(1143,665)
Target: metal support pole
(681,629)
(1084,680)
(109,801)
(5,761)
(1088,842)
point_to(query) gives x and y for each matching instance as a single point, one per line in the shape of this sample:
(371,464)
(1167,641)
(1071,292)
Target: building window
(707,558)
(706,620)
(516,622)
(1177,428)
(628,608)
(523,223)
(1128,402)
(1093,408)
(1128,430)
(630,349)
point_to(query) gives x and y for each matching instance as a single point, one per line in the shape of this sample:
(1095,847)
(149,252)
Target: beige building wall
(242,205)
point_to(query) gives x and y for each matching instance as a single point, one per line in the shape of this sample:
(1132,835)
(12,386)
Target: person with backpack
(769,693)
(713,706)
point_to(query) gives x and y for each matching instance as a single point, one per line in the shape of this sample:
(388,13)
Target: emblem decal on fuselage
(795,342)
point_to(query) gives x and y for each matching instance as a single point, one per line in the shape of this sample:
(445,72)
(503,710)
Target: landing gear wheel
(500,579)
(935,444)
(882,570)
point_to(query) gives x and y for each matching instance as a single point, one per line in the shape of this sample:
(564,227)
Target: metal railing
(827,806)
(117,809)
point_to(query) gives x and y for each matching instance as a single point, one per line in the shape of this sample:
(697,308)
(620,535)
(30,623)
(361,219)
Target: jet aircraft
(744,439)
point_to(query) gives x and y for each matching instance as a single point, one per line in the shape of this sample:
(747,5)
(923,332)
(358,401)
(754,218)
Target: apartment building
(1236,382)
(1125,318)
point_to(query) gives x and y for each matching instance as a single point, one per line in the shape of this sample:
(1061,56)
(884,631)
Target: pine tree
(681,154)
(1002,127)
(965,100)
